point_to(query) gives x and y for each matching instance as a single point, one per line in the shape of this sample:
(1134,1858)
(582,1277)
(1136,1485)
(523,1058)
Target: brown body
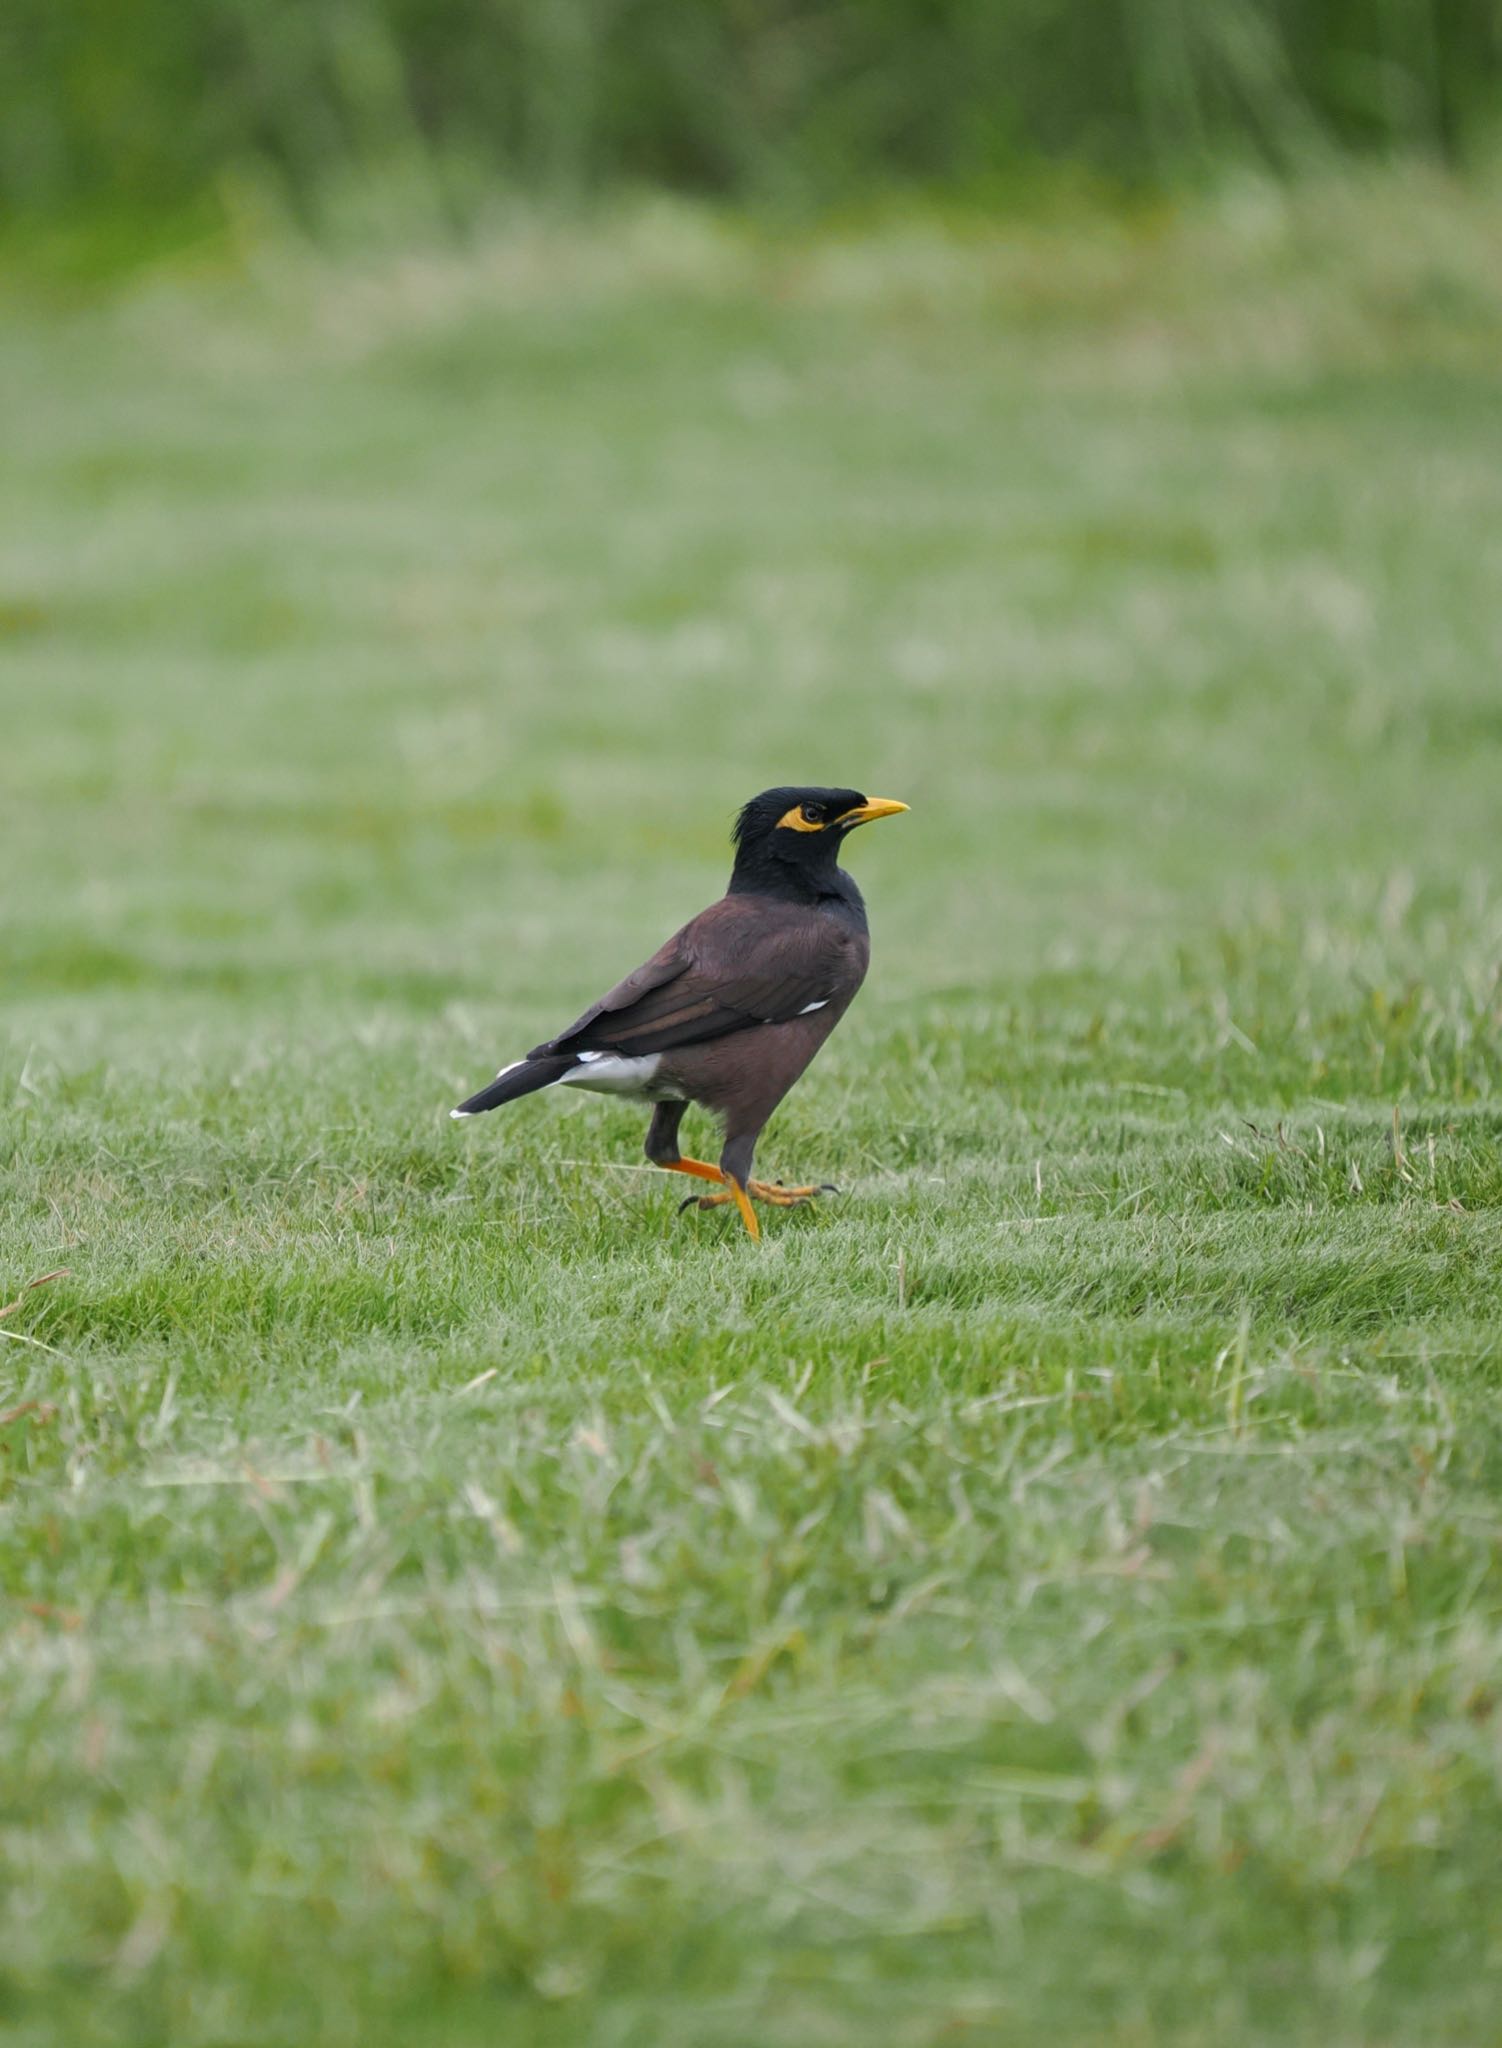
(731,1010)
(742,1075)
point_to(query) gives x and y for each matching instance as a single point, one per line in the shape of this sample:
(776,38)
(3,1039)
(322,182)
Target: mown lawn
(1054,1590)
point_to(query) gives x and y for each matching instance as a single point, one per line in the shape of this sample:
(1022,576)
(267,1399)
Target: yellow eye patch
(794,821)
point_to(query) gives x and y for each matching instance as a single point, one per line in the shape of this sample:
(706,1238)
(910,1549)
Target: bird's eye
(813,814)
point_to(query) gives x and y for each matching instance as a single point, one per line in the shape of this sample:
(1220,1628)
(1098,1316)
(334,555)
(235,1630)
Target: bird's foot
(790,1198)
(771,1191)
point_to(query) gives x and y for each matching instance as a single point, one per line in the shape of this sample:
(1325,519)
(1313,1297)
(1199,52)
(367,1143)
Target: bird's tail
(522,1078)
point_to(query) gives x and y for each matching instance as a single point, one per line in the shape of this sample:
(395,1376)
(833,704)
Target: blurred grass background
(450,459)
(165,118)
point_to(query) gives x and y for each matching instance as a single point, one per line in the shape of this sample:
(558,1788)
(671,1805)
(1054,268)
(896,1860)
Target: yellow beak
(874,807)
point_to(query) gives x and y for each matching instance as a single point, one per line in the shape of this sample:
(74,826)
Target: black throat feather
(763,870)
(792,866)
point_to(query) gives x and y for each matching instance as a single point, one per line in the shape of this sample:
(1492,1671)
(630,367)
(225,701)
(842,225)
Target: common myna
(731,1010)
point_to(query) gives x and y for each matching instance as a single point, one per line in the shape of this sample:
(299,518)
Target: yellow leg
(738,1195)
(743,1203)
(694,1166)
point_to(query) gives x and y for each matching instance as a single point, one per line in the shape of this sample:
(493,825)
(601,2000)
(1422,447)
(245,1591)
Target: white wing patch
(809,1008)
(613,1073)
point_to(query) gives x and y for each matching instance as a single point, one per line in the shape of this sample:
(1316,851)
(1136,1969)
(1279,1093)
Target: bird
(731,1010)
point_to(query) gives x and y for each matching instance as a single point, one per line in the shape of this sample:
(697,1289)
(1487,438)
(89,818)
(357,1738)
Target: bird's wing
(736,964)
(666,965)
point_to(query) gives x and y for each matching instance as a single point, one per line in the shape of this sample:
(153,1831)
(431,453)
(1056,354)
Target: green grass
(1054,1590)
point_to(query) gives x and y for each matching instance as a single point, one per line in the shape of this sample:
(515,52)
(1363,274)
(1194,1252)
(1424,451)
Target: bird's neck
(757,873)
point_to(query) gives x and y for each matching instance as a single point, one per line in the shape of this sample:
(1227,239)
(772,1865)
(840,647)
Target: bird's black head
(787,841)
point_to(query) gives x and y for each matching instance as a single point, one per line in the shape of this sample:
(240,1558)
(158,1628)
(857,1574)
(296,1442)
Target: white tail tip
(461,1112)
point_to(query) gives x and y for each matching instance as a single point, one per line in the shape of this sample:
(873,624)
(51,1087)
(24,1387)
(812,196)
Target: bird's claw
(775,1191)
